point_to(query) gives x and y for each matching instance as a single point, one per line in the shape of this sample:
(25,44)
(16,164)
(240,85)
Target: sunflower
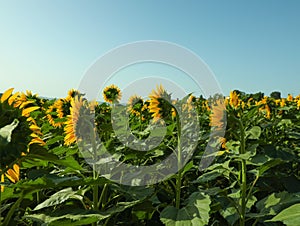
(57,111)
(234,99)
(12,174)
(222,141)
(289,97)
(190,103)
(264,107)
(112,94)
(17,132)
(159,104)
(218,114)
(135,105)
(71,94)
(282,102)
(72,119)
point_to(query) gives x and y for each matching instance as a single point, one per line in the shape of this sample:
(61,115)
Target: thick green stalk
(95,174)
(102,196)
(0,203)
(95,192)
(12,210)
(243,175)
(179,164)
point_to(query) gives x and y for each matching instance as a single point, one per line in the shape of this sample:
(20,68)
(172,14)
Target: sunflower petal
(26,103)
(13,175)
(37,140)
(27,111)
(12,98)
(6,94)
(2,180)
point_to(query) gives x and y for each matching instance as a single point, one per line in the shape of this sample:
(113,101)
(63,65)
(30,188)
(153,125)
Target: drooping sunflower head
(218,114)
(18,129)
(112,94)
(190,103)
(135,105)
(76,124)
(160,103)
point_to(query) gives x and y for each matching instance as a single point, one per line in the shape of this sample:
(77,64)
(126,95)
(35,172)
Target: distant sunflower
(112,94)
(72,119)
(160,103)
(135,105)
(282,102)
(72,93)
(234,99)
(55,114)
(218,114)
(190,102)
(289,97)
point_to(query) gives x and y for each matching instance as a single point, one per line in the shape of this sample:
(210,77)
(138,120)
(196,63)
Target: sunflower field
(253,177)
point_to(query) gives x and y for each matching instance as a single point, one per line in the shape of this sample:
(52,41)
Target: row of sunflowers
(253,180)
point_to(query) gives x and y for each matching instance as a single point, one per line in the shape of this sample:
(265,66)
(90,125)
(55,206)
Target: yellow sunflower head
(72,93)
(18,129)
(13,174)
(160,103)
(234,99)
(80,108)
(218,114)
(55,114)
(289,97)
(190,103)
(135,104)
(112,94)
(282,102)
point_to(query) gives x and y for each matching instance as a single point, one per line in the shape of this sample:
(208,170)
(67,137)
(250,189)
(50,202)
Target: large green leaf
(289,216)
(70,217)
(254,133)
(276,202)
(195,213)
(59,197)
(43,155)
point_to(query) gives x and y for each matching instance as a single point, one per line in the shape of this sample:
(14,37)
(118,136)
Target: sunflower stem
(243,174)
(102,196)
(95,187)
(0,202)
(179,163)
(12,210)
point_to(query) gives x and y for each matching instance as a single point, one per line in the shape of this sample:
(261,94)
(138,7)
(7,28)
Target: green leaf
(263,168)
(195,213)
(43,154)
(70,217)
(289,216)
(254,133)
(58,198)
(276,202)
(54,139)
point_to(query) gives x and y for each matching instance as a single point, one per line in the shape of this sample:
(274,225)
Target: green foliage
(253,180)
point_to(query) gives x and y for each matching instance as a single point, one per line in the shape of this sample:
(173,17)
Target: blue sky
(47,46)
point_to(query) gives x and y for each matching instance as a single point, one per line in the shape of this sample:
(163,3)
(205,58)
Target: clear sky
(47,45)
